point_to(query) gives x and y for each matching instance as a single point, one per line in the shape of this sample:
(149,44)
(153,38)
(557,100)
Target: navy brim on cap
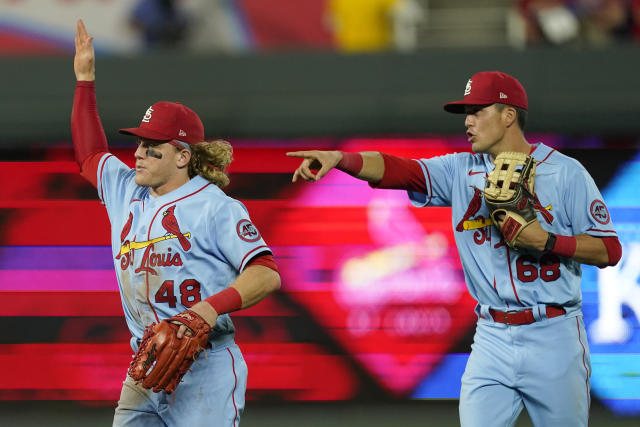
(457,107)
(145,133)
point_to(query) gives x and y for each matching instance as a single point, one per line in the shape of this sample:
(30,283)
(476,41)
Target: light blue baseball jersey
(174,250)
(500,277)
(543,366)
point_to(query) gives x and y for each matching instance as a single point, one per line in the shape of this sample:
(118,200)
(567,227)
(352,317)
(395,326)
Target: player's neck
(514,143)
(167,187)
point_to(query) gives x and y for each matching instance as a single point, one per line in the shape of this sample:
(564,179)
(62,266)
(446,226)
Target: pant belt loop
(540,312)
(484,312)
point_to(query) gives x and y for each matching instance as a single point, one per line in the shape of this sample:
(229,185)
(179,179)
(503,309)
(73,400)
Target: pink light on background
(383,277)
(58,280)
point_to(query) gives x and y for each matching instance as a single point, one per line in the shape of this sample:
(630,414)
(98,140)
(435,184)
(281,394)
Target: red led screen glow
(372,292)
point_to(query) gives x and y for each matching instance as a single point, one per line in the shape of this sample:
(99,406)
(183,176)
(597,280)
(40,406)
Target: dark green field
(383,414)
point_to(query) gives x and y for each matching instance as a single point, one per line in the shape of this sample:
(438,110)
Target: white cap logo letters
(503,96)
(147,115)
(467,89)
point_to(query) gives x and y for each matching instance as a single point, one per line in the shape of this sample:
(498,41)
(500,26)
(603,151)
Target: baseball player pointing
(524,217)
(185,254)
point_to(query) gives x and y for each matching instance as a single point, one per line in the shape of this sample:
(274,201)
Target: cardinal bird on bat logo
(127,228)
(170,223)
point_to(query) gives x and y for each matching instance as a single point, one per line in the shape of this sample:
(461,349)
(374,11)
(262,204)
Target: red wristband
(565,246)
(351,163)
(226,301)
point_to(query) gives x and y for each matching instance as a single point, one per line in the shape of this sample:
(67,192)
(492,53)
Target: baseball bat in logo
(247,231)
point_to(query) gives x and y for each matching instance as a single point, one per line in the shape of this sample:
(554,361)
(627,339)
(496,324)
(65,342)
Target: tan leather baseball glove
(162,359)
(509,194)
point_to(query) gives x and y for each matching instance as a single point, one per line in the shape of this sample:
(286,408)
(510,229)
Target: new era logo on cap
(165,121)
(490,87)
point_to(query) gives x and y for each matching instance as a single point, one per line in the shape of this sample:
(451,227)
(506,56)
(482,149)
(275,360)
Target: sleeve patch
(247,231)
(599,212)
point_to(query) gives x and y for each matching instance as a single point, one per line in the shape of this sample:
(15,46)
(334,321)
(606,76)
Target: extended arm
(84,59)
(367,166)
(89,140)
(380,170)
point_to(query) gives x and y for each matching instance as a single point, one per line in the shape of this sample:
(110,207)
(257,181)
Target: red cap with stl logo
(490,87)
(165,121)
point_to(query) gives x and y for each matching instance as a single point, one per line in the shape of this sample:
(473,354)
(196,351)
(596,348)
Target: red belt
(523,317)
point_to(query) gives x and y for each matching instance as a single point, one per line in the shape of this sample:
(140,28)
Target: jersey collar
(194,184)
(541,152)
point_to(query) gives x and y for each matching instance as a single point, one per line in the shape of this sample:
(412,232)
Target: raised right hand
(323,161)
(84,60)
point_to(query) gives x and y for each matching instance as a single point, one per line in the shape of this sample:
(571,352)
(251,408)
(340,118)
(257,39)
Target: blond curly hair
(209,159)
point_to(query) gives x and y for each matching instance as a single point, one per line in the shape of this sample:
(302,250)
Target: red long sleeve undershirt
(89,140)
(406,174)
(614,249)
(90,144)
(265,260)
(401,173)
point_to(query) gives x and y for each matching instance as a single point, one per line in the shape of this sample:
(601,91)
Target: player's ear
(509,116)
(183,158)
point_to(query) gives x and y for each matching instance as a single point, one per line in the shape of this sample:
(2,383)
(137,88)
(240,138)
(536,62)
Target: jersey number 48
(189,293)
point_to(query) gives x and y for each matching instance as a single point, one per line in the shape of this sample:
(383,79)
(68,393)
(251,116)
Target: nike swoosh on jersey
(475,172)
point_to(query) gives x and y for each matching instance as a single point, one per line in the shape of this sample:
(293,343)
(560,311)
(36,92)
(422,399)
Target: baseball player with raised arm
(521,261)
(185,254)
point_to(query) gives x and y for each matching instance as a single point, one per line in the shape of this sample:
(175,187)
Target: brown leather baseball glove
(509,194)
(162,359)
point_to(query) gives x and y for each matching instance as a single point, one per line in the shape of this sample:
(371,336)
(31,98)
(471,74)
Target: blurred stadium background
(373,324)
